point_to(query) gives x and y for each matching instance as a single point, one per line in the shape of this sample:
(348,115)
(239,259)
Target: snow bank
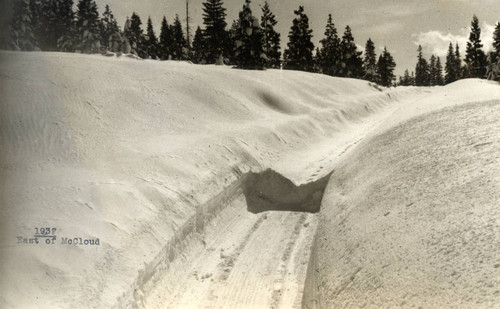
(141,155)
(411,218)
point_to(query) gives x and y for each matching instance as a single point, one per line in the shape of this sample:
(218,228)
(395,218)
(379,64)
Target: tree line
(52,25)
(249,43)
(475,65)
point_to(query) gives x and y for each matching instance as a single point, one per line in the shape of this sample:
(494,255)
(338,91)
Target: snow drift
(411,219)
(150,159)
(142,155)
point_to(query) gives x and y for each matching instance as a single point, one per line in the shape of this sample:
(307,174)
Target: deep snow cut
(149,158)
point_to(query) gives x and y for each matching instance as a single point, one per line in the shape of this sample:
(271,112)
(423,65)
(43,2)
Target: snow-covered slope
(143,155)
(410,219)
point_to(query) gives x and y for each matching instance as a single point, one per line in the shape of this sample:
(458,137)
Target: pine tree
(370,62)
(329,58)
(53,24)
(407,79)
(198,46)
(67,38)
(134,34)
(496,40)
(127,32)
(459,69)
(233,34)
(248,49)
(150,41)
(422,74)
(475,58)
(21,30)
(450,69)
(216,40)
(352,63)
(386,66)
(493,68)
(271,38)
(317,61)
(88,26)
(299,56)
(43,23)
(432,71)
(439,73)
(178,46)
(36,8)
(165,40)
(110,31)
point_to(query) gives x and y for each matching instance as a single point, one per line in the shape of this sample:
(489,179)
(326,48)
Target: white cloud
(436,42)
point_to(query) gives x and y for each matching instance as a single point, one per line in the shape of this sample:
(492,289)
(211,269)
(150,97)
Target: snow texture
(150,157)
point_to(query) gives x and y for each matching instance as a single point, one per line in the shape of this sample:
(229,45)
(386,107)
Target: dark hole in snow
(271,191)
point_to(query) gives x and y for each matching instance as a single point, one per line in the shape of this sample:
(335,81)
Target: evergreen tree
(198,46)
(134,34)
(110,31)
(370,62)
(36,9)
(439,73)
(44,21)
(150,41)
(249,52)
(386,66)
(407,79)
(233,34)
(432,71)
(216,40)
(299,56)
(165,40)
(53,24)
(450,69)
(496,40)
(493,69)
(317,61)
(21,30)
(179,43)
(271,38)
(329,57)
(352,63)
(475,57)
(88,26)
(67,38)
(127,32)
(422,74)
(458,63)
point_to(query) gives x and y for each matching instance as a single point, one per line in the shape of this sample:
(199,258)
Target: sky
(400,25)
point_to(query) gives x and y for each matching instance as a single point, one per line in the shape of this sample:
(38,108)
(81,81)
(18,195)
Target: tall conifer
(450,66)
(422,74)
(329,58)
(386,66)
(248,50)
(270,37)
(150,41)
(475,58)
(88,26)
(352,63)
(299,55)
(216,38)
(370,62)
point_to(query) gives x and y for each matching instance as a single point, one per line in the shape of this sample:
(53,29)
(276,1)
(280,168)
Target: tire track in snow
(227,264)
(285,260)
